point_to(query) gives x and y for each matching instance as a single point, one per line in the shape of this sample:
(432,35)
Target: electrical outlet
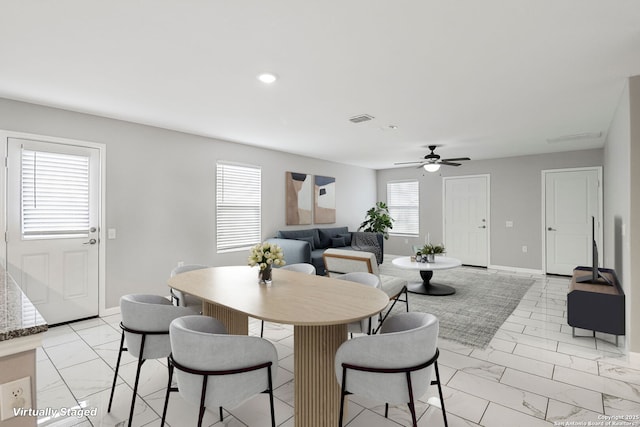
(180,263)
(14,396)
(111,233)
(525,249)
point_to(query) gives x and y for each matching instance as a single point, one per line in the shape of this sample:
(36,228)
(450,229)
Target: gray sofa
(308,245)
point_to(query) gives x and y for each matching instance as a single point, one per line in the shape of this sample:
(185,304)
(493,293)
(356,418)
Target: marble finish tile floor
(533,373)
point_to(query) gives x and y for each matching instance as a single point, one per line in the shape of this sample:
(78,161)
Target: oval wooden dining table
(319,308)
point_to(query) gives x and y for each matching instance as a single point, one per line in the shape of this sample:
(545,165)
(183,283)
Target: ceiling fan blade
(449,163)
(408,163)
(456,159)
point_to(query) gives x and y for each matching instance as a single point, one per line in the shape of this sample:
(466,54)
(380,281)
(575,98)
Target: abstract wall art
(324,198)
(298,203)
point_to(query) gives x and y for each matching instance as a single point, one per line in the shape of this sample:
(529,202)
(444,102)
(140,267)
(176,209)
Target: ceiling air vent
(361,118)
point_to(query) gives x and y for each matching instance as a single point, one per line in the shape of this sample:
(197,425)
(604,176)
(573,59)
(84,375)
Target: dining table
(318,307)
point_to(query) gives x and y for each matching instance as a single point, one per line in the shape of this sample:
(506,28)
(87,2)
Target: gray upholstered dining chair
(394,366)
(340,261)
(179,297)
(145,330)
(218,370)
(301,267)
(366,325)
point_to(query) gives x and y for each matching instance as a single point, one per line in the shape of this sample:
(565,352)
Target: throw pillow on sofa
(325,235)
(307,239)
(296,234)
(347,238)
(338,242)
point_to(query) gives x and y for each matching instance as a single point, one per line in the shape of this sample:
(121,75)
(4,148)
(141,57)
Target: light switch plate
(14,395)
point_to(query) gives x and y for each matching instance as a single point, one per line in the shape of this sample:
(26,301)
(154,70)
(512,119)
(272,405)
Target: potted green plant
(432,250)
(378,220)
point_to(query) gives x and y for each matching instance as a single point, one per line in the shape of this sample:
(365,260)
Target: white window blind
(55,195)
(403,201)
(238,208)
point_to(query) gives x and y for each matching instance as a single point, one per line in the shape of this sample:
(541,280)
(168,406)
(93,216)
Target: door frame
(102,150)
(543,220)
(488,204)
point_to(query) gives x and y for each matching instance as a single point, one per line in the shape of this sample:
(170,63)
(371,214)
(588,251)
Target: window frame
(407,208)
(248,234)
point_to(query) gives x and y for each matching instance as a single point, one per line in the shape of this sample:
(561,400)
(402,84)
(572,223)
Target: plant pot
(431,257)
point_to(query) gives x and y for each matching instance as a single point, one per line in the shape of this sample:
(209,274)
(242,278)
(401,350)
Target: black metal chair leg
(411,404)
(343,393)
(202,398)
(412,409)
(386,410)
(166,398)
(273,414)
(444,413)
(135,391)
(382,318)
(221,416)
(115,375)
(261,328)
(135,385)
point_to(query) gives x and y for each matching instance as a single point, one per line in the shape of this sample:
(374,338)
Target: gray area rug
(482,302)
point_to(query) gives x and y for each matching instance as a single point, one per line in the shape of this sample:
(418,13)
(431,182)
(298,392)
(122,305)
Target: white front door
(571,198)
(53,194)
(466,219)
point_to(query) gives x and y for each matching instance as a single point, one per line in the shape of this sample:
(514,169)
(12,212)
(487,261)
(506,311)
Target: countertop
(18,316)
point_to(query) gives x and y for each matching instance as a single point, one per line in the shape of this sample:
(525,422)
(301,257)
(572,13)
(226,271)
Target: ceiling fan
(432,161)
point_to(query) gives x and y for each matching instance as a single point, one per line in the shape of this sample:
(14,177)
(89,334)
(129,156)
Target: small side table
(426,287)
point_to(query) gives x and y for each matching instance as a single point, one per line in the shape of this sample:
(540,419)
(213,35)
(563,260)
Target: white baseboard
(516,269)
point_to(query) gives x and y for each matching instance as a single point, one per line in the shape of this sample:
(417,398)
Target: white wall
(616,183)
(633,304)
(160,192)
(622,203)
(516,195)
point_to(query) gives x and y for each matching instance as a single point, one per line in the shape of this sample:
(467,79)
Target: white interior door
(466,219)
(572,197)
(53,194)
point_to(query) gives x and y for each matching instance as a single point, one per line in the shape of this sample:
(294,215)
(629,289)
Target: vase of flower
(265,256)
(430,251)
(264,276)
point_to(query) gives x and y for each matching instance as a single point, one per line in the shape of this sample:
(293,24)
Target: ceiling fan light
(431,167)
(267,78)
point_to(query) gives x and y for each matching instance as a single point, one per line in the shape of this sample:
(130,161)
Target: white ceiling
(485,79)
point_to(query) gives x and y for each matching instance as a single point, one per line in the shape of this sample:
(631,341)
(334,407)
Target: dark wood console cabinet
(596,307)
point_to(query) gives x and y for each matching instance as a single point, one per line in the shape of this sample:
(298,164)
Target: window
(238,217)
(55,195)
(403,201)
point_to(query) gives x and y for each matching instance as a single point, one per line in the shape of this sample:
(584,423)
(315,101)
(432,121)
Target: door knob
(551,229)
(483,226)
(91,242)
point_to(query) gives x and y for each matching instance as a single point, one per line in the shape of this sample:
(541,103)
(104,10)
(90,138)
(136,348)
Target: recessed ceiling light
(267,78)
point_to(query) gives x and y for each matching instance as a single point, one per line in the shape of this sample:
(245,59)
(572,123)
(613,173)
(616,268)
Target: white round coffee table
(426,269)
